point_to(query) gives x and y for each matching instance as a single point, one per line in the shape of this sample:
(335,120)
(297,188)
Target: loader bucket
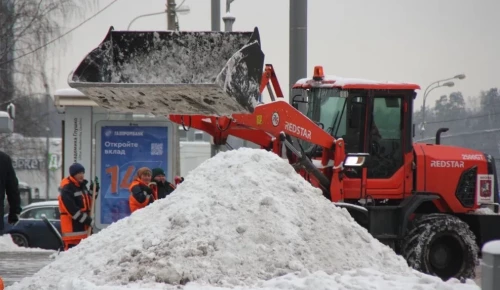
(166,72)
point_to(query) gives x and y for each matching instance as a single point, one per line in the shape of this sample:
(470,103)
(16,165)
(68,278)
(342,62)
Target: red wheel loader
(351,138)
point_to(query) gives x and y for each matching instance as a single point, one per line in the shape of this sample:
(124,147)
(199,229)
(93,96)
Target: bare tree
(27,30)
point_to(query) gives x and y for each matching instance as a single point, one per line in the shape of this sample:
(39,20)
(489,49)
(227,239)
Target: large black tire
(441,245)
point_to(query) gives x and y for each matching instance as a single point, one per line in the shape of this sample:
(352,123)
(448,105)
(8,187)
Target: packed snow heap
(243,218)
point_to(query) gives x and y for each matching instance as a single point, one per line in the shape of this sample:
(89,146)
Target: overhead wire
(61,36)
(460,119)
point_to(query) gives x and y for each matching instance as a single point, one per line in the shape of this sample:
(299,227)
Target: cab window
(386,137)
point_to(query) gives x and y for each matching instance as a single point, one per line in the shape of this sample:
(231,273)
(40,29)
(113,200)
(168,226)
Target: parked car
(31,231)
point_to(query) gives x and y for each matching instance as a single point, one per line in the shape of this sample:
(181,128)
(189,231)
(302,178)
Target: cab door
(389,142)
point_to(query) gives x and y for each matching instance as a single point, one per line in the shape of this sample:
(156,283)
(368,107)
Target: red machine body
(439,167)
(443,169)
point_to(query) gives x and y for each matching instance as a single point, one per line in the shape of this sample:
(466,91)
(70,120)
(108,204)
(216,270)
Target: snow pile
(7,245)
(484,211)
(242,219)
(351,280)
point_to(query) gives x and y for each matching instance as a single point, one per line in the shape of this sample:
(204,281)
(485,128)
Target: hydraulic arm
(264,125)
(270,126)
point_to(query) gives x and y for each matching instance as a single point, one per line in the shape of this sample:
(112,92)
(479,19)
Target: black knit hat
(76,168)
(157,171)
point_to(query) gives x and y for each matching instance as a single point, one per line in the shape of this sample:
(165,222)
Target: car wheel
(20,240)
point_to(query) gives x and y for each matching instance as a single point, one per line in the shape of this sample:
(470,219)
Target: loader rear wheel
(441,245)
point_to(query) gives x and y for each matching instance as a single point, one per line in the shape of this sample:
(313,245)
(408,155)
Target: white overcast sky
(396,40)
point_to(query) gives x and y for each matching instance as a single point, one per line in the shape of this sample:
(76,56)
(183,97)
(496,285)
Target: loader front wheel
(441,245)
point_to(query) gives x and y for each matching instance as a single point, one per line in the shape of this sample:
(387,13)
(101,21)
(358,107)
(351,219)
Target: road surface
(16,265)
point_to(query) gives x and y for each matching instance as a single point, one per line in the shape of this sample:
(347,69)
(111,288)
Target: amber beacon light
(318,73)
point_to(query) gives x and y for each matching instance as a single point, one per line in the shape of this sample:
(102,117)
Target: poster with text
(125,149)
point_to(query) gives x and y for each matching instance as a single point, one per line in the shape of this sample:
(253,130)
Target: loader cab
(371,117)
(337,112)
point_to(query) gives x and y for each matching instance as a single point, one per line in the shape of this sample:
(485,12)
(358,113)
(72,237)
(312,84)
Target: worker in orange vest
(141,193)
(164,187)
(2,285)
(75,203)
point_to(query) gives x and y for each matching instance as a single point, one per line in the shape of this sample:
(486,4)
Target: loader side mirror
(356,114)
(356,160)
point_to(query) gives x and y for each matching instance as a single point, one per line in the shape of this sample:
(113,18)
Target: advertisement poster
(485,187)
(125,149)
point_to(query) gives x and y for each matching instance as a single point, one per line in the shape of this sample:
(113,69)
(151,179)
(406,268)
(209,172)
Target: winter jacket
(164,189)
(141,195)
(75,204)
(8,185)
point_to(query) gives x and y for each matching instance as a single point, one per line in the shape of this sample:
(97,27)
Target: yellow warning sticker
(259,120)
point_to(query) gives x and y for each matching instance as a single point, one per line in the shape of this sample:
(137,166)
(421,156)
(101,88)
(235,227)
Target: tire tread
(423,229)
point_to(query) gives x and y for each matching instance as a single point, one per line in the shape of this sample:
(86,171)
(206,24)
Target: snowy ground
(14,266)
(7,245)
(353,280)
(241,220)
(18,262)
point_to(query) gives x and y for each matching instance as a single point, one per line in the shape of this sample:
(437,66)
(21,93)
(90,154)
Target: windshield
(327,109)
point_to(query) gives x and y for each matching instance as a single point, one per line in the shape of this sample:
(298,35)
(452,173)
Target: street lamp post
(179,9)
(172,9)
(440,83)
(228,18)
(144,15)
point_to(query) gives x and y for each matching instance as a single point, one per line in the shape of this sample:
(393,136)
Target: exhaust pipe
(438,134)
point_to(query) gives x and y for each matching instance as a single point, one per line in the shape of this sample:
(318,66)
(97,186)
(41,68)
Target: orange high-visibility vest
(75,203)
(141,189)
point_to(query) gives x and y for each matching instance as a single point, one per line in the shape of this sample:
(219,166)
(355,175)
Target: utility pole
(228,18)
(215,7)
(171,14)
(175,134)
(298,42)
(47,138)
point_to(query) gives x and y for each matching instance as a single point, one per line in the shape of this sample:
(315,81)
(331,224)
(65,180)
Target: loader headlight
(356,160)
